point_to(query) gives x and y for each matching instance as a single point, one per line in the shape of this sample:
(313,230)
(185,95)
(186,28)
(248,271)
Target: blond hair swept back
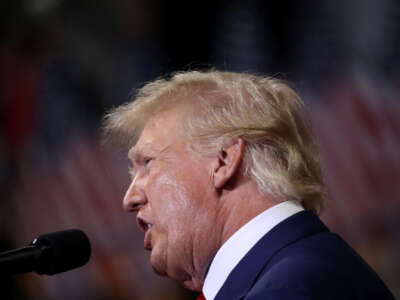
(280,152)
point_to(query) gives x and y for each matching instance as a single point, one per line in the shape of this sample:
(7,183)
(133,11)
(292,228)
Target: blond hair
(280,152)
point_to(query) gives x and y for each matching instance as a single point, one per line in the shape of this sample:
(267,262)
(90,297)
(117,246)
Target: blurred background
(63,64)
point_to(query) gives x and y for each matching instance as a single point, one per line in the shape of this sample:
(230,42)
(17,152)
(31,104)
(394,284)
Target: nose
(134,197)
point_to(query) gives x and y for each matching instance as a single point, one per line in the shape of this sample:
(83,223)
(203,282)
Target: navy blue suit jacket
(301,259)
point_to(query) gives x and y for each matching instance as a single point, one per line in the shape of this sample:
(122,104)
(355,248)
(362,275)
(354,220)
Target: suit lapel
(244,275)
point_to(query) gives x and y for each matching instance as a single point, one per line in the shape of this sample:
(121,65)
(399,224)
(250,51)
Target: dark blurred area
(63,64)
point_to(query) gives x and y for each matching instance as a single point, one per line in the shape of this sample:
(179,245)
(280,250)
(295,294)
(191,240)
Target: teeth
(149,226)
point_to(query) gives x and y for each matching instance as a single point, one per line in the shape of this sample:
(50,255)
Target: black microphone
(48,254)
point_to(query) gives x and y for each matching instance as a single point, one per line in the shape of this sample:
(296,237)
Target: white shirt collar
(237,246)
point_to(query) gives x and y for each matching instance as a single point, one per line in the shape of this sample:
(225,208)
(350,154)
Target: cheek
(170,199)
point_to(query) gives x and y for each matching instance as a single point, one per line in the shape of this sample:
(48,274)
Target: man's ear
(228,162)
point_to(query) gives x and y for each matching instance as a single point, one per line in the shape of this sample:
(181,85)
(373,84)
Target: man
(226,183)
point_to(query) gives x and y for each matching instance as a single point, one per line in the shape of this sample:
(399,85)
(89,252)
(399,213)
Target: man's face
(172,192)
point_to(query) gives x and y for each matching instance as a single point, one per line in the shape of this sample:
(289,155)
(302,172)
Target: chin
(174,271)
(157,263)
(157,268)
(159,272)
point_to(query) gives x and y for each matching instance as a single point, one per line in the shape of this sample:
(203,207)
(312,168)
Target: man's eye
(147,161)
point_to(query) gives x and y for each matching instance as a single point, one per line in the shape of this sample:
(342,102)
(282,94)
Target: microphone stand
(19,260)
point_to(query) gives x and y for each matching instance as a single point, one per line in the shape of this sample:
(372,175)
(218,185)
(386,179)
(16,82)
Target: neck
(235,208)
(241,205)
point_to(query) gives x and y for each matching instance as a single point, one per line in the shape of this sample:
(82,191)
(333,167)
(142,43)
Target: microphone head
(61,251)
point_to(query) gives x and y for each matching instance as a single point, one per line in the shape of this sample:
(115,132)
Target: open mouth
(143,224)
(146,227)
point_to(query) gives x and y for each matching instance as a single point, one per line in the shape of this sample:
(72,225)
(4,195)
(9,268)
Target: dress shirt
(237,246)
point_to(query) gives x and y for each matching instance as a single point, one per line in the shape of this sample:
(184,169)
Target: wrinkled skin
(172,189)
(187,203)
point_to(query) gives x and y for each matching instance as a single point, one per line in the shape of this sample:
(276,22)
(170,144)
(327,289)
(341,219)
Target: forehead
(161,130)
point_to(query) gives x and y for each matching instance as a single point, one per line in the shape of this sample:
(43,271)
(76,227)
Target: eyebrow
(139,152)
(136,152)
